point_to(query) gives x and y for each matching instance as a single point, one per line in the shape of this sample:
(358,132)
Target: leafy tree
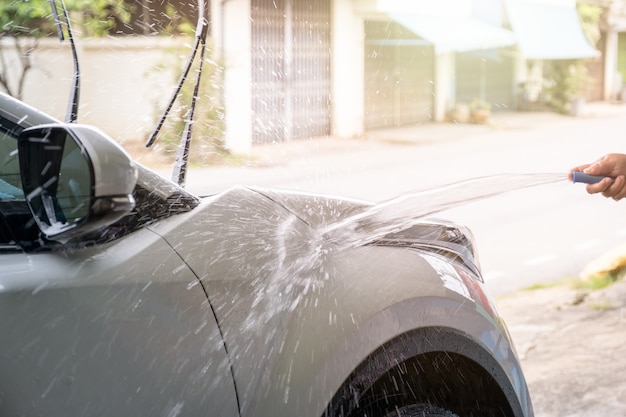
(21,24)
(24,22)
(590,16)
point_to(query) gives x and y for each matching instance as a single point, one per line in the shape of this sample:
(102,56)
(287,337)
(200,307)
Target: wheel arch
(438,365)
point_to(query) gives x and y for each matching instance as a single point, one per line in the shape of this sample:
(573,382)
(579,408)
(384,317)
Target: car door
(119,328)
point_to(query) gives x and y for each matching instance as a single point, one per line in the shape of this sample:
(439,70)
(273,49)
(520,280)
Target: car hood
(299,221)
(353,223)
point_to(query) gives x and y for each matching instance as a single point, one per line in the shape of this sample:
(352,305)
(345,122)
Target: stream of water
(404,211)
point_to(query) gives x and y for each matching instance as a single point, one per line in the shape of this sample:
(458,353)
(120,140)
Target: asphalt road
(524,236)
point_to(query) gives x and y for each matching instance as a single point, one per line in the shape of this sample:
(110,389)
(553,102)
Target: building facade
(310,68)
(296,69)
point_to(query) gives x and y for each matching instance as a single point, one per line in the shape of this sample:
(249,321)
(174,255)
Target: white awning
(456,33)
(548,30)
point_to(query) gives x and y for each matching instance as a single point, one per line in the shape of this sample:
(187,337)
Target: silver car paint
(297,323)
(117,329)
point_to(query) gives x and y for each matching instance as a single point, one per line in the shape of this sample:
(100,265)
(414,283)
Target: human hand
(611,165)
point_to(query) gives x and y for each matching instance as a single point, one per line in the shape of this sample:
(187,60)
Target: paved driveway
(571,343)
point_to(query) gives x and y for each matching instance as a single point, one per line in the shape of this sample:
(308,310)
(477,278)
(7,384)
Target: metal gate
(399,71)
(487,76)
(290,69)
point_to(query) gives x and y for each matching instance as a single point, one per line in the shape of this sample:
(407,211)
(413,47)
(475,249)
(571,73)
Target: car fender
(298,317)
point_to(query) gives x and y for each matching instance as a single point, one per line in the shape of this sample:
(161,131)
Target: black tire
(421,410)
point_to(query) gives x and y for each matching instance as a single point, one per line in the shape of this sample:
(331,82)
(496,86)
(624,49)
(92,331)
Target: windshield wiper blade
(182,155)
(72,105)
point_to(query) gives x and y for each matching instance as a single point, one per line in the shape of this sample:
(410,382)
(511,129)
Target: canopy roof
(456,33)
(548,30)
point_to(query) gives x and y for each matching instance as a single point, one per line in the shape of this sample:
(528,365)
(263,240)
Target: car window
(14,215)
(10,182)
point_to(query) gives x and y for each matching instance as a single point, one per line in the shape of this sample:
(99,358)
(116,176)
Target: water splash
(293,264)
(293,258)
(400,213)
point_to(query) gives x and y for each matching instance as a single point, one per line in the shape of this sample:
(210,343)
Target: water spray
(406,210)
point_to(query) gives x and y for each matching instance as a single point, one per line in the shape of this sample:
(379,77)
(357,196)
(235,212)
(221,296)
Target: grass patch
(550,284)
(594,283)
(543,285)
(601,305)
(600,281)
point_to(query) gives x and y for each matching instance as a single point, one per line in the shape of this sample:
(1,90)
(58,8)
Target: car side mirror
(75,178)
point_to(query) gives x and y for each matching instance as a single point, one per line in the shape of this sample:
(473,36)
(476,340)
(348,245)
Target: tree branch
(4,73)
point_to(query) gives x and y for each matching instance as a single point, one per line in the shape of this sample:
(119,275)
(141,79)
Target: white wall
(444,86)
(610,66)
(122,88)
(348,72)
(234,45)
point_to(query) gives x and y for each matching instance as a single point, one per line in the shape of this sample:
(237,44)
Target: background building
(295,69)
(305,68)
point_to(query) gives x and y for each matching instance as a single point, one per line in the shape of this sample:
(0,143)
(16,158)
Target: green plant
(568,80)
(480,111)
(98,17)
(565,81)
(601,280)
(479,104)
(590,15)
(177,23)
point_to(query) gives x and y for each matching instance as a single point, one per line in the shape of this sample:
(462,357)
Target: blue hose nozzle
(586,178)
